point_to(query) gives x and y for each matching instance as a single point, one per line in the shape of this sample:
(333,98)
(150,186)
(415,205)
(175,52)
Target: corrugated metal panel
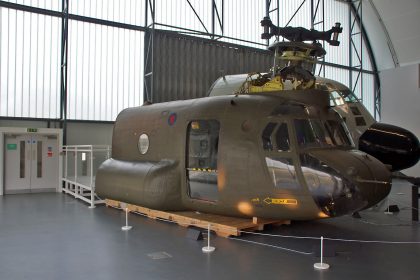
(185,67)
(105,71)
(29,64)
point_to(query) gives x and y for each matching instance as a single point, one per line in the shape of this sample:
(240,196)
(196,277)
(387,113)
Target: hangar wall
(400,101)
(185,67)
(89,133)
(78,133)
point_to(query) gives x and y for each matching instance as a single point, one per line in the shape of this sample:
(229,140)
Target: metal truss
(356,34)
(318,19)
(356,20)
(148,50)
(64,74)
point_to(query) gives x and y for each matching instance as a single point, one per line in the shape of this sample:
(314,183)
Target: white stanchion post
(208,248)
(387,207)
(126,227)
(321,265)
(92,187)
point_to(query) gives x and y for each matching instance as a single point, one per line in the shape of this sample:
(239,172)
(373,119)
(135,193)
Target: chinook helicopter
(269,145)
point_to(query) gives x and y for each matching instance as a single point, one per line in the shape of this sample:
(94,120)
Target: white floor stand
(208,248)
(126,227)
(321,265)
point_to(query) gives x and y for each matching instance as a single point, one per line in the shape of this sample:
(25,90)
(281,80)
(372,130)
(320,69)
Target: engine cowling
(391,144)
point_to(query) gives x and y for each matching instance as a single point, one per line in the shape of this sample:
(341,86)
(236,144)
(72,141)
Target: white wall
(80,133)
(401,101)
(24,123)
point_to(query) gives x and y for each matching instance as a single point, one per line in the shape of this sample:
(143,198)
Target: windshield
(349,96)
(338,98)
(320,133)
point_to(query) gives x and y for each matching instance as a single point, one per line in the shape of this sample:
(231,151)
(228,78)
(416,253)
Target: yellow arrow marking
(283,201)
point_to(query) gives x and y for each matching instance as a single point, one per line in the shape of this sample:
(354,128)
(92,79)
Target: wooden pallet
(222,225)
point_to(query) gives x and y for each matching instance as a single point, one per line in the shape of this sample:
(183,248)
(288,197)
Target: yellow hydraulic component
(274,84)
(297,55)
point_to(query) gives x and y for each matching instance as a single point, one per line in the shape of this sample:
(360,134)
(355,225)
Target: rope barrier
(273,246)
(332,239)
(279,235)
(294,237)
(404,224)
(372,241)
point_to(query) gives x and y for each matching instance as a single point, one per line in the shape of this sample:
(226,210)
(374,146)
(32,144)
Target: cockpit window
(304,132)
(266,136)
(337,132)
(336,98)
(320,133)
(349,96)
(282,138)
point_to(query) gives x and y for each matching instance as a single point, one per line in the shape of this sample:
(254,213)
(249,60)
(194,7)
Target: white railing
(80,165)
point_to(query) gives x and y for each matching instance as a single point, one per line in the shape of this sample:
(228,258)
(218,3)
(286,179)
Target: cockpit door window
(278,156)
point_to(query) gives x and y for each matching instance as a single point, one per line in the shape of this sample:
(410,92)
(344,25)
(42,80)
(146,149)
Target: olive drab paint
(230,174)
(280,145)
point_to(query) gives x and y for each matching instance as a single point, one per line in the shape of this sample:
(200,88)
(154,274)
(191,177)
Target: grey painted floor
(53,236)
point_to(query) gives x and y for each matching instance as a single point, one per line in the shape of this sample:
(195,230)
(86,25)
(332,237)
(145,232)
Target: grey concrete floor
(53,236)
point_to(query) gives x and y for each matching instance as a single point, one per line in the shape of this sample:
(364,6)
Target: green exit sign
(32,129)
(11,146)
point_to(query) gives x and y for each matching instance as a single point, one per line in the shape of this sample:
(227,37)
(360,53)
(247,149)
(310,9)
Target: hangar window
(202,147)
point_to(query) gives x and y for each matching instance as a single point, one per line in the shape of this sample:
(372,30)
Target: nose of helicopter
(343,182)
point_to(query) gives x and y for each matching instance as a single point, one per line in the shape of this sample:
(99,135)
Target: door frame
(25,130)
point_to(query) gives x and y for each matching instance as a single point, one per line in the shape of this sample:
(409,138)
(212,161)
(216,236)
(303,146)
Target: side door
(201,159)
(44,162)
(17,163)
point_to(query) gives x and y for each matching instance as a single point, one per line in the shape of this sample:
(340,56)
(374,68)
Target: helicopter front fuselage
(283,155)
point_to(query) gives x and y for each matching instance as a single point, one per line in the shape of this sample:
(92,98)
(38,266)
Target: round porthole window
(143,144)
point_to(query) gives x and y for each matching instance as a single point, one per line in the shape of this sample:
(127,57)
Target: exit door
(31,163)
